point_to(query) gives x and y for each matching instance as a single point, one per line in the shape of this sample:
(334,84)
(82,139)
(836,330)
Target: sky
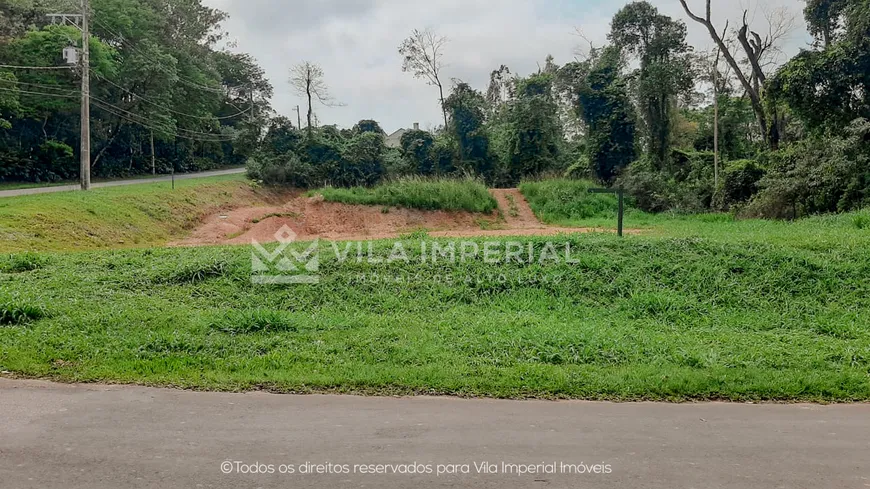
(356,43)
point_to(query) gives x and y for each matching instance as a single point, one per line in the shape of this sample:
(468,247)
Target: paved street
(118,183)
(90,436)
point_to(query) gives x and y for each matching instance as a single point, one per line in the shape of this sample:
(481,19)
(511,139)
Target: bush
(688,189)
(562,201)
(739,183)
(280,170)
(419,193)
(822,174)
(362,161)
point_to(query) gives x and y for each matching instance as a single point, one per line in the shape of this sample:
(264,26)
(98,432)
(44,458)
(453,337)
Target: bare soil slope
(311,217)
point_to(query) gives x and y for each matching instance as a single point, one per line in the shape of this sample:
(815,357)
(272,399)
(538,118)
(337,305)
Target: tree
(467,109)
(417,150)
(421,56)
(829,88)
(604,104)
(665,73)
(155,74)
(307,79)
(753,82)
(533,132)
(362,160)
(367,125)
(825,19)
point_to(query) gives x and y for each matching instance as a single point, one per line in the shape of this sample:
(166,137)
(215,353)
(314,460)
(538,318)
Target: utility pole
(298,118)
(74,19)
(716,126)
(86,100)
(153,161)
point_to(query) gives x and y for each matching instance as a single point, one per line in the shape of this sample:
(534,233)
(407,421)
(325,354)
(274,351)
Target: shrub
(419,193)
(686,187)
(821,174)
(280,170)
(562,201)
(362,161)
(739,182)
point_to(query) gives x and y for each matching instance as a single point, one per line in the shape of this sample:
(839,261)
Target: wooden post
(153,162)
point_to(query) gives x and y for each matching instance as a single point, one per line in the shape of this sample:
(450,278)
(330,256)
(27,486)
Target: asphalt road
(62,436)
(118,183)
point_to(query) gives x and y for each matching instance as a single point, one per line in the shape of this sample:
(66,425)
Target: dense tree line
(163,98)
(727,129)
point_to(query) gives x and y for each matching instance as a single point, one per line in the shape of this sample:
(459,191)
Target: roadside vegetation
(418,193)
(781,313)
(564,202)
(118,217)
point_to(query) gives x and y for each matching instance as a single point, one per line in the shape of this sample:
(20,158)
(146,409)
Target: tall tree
(467,109)
(753,79)
(307,79)
(604,104)
(659,44)
(829,88)
(421,56)
(534,132)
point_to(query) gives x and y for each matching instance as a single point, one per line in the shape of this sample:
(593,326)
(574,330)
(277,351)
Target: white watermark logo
(289,262)
(284,265)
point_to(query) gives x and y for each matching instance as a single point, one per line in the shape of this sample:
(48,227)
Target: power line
(72,94)
(37,85)
(156,104)
(36,67)
(134,48)
(145,117)
(150,124)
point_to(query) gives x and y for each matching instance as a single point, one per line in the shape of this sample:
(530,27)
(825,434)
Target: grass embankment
(569,203)
(113,217)
(418,193)
(643,317)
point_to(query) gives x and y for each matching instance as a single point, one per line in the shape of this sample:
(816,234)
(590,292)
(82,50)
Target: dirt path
(516,211)
(311,217)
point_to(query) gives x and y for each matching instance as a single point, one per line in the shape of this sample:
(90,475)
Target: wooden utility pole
(153,161)
(298,118)
(86,102)
(75,19)
(715,126)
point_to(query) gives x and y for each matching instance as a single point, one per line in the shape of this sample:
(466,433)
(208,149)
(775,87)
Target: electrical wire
(154,125)
(137,50)
(146,125)
(36,67)
(156,104)
(71,94)
(131,117)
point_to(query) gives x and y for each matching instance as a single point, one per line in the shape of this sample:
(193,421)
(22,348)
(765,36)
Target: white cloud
(356,42)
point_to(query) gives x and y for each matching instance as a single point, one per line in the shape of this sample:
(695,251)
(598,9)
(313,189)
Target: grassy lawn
(126,216)
(418,193)
(781,312)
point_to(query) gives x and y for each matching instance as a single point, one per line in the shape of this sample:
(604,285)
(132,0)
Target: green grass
(418,193)
(569,203)
(781,312)
(126,216)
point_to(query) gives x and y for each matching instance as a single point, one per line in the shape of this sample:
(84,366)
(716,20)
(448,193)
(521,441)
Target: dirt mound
(311,217)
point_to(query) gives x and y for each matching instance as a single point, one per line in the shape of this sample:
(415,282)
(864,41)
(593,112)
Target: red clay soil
(311,217)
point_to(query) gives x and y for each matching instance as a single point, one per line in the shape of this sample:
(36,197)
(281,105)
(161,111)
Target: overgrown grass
(127,216)
(565,202)
(774,314)
(418,193)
